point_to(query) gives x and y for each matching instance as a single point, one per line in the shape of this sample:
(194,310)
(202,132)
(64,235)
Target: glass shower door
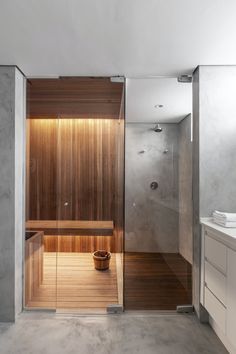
(156,274)
(158,200)
(41,209)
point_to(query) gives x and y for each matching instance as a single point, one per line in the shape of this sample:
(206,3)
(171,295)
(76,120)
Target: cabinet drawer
(215,252)
(216,282)
(231,297)
(216,310)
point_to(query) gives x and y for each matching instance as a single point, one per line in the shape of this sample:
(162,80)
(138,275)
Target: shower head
(157,128)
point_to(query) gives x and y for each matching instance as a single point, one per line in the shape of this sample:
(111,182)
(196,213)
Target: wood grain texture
(78,285)
(27,199)
(73,227)
(42,176)
(87,169)
(81,97)
(70,243)
(34,249)
(156,281)
(78,162)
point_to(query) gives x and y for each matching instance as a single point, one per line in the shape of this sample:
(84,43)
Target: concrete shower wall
(151,216)
(185,190)
(11,191)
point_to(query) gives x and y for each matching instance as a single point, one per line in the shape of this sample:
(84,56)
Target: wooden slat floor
(156,281)
(71,282)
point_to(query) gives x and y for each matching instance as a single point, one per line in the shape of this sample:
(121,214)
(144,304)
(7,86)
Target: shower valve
(154,185)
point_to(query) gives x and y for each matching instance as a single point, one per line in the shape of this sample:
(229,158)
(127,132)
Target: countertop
(223,234)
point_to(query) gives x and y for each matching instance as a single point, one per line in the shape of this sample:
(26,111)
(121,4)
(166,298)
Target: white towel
(227,217)
(225,223)
(220,219)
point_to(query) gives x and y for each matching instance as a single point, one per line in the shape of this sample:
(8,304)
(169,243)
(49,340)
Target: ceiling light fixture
(158,106)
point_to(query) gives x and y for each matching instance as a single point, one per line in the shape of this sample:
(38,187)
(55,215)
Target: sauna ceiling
(83,97)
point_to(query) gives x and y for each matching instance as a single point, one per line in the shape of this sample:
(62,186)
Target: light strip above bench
(74,227)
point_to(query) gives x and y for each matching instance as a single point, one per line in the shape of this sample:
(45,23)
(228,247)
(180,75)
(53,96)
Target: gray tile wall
(151,217)
(11,193)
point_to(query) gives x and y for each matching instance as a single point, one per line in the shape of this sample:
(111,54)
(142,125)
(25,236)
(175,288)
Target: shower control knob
(66,203)
(154,185)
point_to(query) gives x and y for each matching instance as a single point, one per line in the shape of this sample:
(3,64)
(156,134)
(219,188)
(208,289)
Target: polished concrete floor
(36,333)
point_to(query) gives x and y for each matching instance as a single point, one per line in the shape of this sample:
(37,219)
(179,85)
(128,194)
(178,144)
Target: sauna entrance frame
(59,227)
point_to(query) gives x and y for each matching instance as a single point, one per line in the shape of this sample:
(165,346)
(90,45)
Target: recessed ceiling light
(158,106)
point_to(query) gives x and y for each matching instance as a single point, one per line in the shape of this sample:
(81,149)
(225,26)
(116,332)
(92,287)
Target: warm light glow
(96,125)
(77,120)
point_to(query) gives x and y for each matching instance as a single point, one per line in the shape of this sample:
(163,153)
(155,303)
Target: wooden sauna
(75,187)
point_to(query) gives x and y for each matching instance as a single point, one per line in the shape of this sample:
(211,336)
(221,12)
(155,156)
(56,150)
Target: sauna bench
(72,227)
(34,249)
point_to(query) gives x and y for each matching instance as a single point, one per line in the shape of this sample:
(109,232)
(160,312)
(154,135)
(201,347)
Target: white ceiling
(143,94)
(110,37)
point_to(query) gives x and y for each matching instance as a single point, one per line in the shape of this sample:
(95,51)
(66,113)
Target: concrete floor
(37,333)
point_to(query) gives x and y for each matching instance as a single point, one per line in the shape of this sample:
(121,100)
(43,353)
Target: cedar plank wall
(77,160)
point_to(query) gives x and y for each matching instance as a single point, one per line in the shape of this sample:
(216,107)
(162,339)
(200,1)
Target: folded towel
(224,216)
(219,218)
(225,223)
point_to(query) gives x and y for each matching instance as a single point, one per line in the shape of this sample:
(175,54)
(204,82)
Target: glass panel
(158,239)
(40,247)
(90,194)
(119,229)
(68,287)
(75,181)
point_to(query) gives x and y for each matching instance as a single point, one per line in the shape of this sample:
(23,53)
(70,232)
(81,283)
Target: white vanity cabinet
(231,297)
(218,280)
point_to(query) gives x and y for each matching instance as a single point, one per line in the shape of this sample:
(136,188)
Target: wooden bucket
(101,260)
